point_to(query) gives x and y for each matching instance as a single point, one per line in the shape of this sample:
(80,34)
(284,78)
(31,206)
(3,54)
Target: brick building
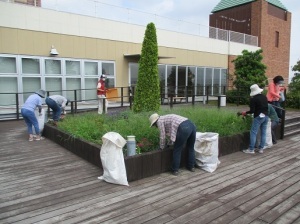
(269,20)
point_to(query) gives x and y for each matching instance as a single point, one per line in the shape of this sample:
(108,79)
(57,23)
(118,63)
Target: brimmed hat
(153,118)
(41,93)
(103,76)
(255,90)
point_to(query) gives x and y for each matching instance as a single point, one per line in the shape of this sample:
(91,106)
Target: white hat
(103,76)
(255,90)
(153,118)
(41,93)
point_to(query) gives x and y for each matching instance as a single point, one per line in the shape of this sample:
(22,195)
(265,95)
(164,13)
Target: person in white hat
(182,132)
(27,111)
(259,109)
(101,94)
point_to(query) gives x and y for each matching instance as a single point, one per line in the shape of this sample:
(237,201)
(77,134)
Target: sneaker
(30,139)
(248,151)
(191,169)
(175,173)
(38,138)
(261,151)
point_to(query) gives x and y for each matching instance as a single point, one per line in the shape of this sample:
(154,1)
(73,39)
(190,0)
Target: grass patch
(91,126)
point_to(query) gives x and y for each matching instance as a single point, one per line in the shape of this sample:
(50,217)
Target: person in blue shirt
(33,101)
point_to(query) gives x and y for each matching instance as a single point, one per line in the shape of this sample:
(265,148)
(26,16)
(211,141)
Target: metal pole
(17,106)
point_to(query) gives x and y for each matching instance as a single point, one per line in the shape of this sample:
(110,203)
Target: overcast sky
(193,11)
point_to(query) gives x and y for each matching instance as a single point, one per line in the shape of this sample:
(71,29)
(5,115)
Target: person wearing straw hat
(182,132)
(259,109)
(33,101)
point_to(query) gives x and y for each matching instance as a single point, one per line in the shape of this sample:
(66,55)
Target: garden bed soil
(142,165)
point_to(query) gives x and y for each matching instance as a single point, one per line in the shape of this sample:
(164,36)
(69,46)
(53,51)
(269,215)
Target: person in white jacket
(57,103)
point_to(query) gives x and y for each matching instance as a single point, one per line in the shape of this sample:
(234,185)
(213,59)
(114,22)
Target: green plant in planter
(91,127)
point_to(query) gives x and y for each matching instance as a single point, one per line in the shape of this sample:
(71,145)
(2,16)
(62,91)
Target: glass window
(30,85)
(71,85)
(216,81)
(171,79)
(223,80)
(91,68)
(208,80)
(109,71)
(72,67)
(162,78)
(90,88)
(54,86)
(8,85)
(52,67)
(8,65)
(200,90)
(181,81)
(134,69)
(30,66)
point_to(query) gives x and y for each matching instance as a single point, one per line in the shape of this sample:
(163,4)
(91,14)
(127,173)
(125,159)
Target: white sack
(111,154)
(40,119)
(207,151)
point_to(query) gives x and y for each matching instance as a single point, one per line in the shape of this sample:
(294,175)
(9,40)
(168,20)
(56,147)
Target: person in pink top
(273,94)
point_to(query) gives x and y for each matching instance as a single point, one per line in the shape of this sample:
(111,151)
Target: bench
(175,98)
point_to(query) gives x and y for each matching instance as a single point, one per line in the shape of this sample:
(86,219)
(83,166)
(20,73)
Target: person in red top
(273,94)
(101,93)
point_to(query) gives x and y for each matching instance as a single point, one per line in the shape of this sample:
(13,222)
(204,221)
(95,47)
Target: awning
(137,56)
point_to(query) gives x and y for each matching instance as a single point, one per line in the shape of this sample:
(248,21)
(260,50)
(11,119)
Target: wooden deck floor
(42,182)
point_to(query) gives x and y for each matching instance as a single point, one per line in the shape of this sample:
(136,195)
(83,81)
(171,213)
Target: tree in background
(293,96)
(147,92)
(249,70)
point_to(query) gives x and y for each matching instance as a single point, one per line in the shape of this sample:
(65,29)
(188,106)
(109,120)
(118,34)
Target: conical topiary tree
(147,92)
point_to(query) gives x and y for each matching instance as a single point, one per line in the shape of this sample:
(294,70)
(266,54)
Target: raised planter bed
(142,165)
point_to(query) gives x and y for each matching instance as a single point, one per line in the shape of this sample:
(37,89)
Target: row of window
(20,74)
(54,66)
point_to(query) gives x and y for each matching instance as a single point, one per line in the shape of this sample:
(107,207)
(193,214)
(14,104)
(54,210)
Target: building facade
(86,47)
(269,20)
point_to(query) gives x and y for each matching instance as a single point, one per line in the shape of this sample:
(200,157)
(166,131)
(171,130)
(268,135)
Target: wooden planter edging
(142,165)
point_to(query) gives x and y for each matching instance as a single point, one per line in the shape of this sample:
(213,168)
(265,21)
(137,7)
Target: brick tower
(269,20)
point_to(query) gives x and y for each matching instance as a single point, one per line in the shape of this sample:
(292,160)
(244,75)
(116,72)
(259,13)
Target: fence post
(282,124)
(122,95)
(207,89)
(75,97)
(171,101)
(72,107)
(17,106)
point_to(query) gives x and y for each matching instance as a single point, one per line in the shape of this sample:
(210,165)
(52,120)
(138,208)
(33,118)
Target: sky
(190,11)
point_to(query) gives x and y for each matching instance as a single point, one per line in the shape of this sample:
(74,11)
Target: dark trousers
(186,135)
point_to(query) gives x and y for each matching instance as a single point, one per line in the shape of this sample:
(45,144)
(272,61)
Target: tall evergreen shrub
(147,92)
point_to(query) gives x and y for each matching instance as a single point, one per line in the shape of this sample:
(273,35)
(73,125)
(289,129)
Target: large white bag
(40,119)
(111,154)
(207,151)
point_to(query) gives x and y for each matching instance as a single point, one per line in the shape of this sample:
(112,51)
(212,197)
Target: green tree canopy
(147,93)
(294,86)
(250,70)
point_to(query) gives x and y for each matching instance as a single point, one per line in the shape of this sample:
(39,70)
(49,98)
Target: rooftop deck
(42,182)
